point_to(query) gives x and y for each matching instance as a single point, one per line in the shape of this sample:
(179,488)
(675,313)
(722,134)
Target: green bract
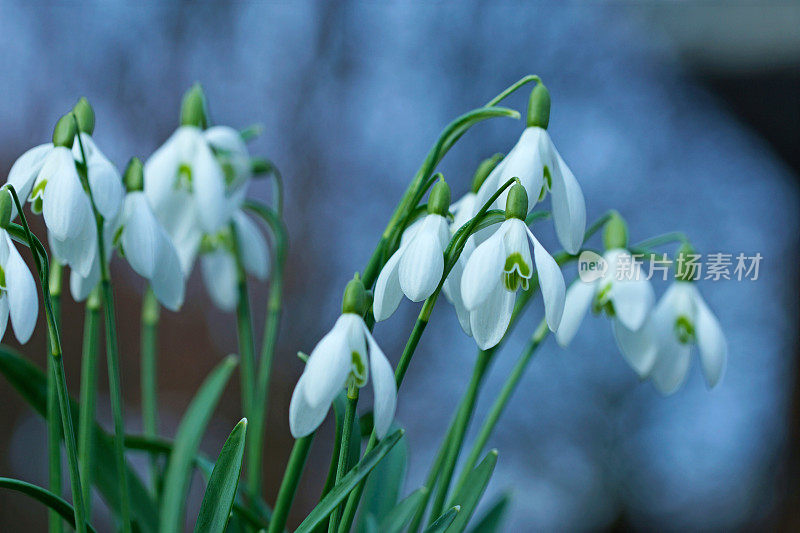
(84,114)
(64,132)
(193,108)
(539,107)
(439,201)
(615,234)
(517,202)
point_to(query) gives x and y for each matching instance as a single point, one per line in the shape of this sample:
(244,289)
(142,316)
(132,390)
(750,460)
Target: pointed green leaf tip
(193,108)
(6,206)
(355,297)
(134,175)
(517,202)
(85,115)
(64,132)
(615,233)
(484,169)
(439,201)
(683,272)
(539,107)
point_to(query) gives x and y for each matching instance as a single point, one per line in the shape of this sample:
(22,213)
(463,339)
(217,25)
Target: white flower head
(18,297)
(463,211)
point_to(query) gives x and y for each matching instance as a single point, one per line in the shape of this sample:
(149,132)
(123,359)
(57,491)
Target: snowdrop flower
(622,292)
(18,296)
(346,357)
(416,268)
(500,266)
(540,168)
(197,179)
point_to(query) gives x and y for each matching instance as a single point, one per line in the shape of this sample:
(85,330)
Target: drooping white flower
(18,296)
(680,320)
(347,355)
(499,267)
(463,210)
(626,296)
(541,169)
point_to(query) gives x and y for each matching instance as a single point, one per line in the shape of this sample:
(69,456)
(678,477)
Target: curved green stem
(88,394)
(658,240)
(149,377)
(53,416)
(291,477)
(512,88)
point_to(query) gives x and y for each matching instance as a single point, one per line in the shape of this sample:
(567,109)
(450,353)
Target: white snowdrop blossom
(347,354)
(626,298)
(195,182)
(18,297)
(463,211)
(680,320)
(496,270)
(218,261)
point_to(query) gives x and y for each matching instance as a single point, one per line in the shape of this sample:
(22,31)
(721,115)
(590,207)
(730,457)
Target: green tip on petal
(439,201)
(134,175)
(193,108)
(64,132)
(517,202)
(85,115)
(615,232)
(539,107)
(355,297)
(484,169)
(6,206)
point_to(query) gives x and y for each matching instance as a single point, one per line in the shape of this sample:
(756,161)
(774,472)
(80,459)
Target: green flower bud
(134,175)
(439,200)
(484,169)
(684,272)
(355,297)
(64,132)
(85,115)
(539,107)
(6,206)
(615,232)
(517,202)
(193,108)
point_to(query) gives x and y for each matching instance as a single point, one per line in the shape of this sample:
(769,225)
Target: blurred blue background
(683,116)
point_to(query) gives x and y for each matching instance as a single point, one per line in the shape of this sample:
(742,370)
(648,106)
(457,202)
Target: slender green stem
(244,329)
(88,394)
(149,377)
(500,403)
(658,240)
(291,477)
(344,450)
(53,416)
(503,95)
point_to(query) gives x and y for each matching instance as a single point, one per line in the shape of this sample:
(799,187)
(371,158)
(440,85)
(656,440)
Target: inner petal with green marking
(602,302)
(516,272)
(183,181)
(684,330)
(359,371)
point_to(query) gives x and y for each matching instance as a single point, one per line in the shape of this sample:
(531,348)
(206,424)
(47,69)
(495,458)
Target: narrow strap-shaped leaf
(396,520)
(30,383)
(43,496)
(470,495)
(491,521)
(349,482)
(444,522)
(385,483)
(221,489)
(187,441)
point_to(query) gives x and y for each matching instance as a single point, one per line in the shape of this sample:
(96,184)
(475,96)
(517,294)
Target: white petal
(672,359)
(551,283)
(525,161)
(639,348)
(140,235)
(24,171)
(255,254)
(383,383)
(106,184)
(221,277)
(66,206)
(225,138)
(711,342)
(577,302)
(329,364)
(80,286)
(78,252)
(303,417)
(633,298)
(23,301)
(209,189)
(463,210)
(489,187)
(179,219)
(160,172)
(452,291)
(490,320)
(422,262)
(411,231)
(516,242)
(483,271)
(569,207)
(3,314)
(167,281)
(387,289)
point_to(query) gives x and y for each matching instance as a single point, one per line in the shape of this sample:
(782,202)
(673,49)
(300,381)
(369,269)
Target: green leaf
(396,520)
(187,441)
(221,489)
(31,384)
(385,483)
(44,496)
(470,495)
(348,483)
(445,521)
(493,519)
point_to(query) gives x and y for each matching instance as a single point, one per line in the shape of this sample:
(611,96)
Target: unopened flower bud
(517,202)
(615,233)
(6,206)
(85,115)
(539,107)
(439,201)
(355,297)
(193,108)
(484,169)
(134,175)
(64,132)
(685,254)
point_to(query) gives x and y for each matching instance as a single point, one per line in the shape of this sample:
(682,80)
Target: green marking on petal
(684,330)
(183,181)
(516,272)
(547,185)
(2,278)
(359,371)
(602,303)
(37,205)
